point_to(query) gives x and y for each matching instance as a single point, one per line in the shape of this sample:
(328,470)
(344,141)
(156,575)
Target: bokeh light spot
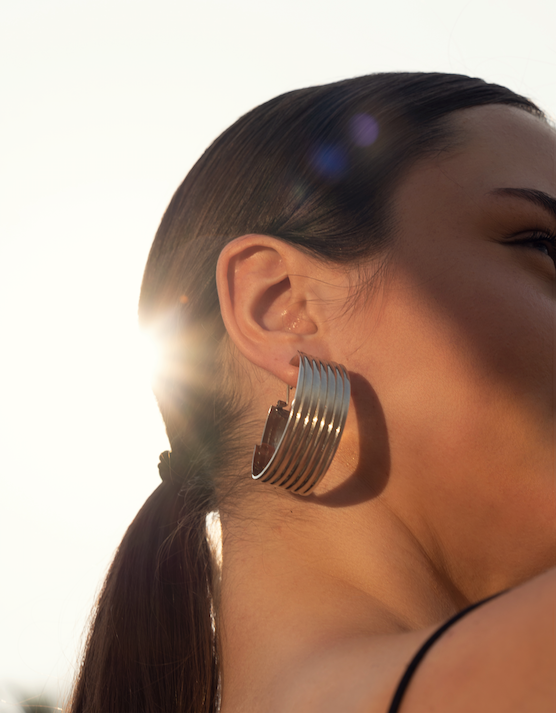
(363,129)
(330,161)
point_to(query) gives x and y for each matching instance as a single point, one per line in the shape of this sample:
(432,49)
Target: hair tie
(167,474)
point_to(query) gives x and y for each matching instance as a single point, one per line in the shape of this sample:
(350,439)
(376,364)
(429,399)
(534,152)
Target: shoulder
(499,657)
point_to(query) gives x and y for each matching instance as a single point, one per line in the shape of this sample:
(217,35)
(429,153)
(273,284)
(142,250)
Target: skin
(442,492)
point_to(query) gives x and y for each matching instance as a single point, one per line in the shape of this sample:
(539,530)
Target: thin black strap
(416,660)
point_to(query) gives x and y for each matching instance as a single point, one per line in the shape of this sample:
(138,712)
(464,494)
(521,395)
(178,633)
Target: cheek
(496,321)
(463,344)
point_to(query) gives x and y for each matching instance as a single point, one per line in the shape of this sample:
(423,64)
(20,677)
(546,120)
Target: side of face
(459,343)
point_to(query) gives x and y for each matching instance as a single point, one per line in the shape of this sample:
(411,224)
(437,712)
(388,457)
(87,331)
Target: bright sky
(105,106)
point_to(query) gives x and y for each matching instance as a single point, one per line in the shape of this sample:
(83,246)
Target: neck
(279,566)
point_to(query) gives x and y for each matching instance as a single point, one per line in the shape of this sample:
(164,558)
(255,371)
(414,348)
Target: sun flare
(148,356)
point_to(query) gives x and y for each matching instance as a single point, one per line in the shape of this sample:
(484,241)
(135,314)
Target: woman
(402,225)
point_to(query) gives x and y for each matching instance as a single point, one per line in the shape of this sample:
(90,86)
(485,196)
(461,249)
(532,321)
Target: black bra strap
(416,660)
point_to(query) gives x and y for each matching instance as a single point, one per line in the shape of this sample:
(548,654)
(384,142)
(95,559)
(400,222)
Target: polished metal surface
(298,445)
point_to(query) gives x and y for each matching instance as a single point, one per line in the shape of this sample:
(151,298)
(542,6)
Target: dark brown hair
(316,168)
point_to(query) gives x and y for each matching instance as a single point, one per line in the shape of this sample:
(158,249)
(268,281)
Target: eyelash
(539,236)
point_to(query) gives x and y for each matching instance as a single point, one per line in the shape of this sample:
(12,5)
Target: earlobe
(264,297)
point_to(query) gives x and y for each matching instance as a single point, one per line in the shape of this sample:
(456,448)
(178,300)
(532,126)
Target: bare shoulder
(500,658)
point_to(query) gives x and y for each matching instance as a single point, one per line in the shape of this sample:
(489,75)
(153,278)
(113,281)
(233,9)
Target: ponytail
(152,644)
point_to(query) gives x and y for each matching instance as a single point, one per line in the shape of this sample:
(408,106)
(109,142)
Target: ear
(273,300)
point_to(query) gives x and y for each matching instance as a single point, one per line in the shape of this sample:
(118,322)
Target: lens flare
(363,129)
(329,161)
(148,356)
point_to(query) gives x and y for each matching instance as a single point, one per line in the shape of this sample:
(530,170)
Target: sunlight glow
(148,356)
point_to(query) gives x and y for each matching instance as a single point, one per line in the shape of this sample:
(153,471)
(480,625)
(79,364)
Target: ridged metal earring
(298,445)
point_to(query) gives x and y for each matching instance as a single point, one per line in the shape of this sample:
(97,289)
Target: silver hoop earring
(298,445)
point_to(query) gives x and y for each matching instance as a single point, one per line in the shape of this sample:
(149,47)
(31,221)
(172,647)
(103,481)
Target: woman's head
(317,169)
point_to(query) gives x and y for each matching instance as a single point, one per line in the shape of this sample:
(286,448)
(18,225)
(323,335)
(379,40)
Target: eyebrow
(539,198)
